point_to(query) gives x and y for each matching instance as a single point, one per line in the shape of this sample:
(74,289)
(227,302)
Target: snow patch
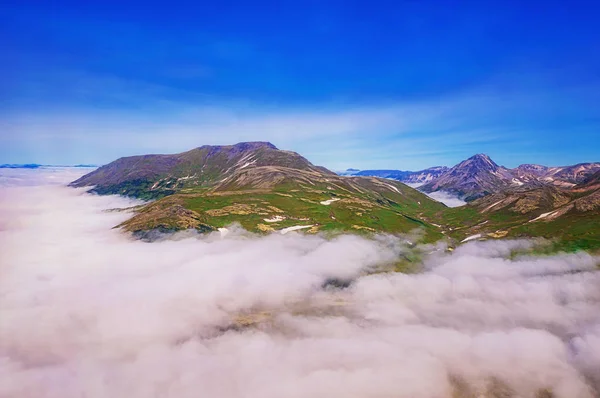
(294,228)
(274,219)
(472,237)
(328,202)
(492,205)
(248,164)
(544,215)
(392,187)
(155,185)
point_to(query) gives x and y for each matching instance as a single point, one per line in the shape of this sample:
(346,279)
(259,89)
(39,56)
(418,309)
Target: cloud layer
(88,311)
(446,198)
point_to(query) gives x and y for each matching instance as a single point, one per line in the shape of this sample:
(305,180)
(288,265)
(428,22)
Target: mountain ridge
(266,189)
(262,188)
(158,175)
(479,176)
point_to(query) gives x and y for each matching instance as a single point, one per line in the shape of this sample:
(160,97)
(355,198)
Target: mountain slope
(361,204)
(155,176)
(266,189)
(262,188)
(571,215)
(472,178)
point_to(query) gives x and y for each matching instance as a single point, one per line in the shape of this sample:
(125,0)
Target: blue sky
(404,84)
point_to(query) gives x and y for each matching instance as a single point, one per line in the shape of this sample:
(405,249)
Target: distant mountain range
(267,189)
(479,176)
(411,177)
(37,166)
(20,166)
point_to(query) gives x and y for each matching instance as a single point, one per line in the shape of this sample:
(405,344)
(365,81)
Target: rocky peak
(479,162)
(254,145)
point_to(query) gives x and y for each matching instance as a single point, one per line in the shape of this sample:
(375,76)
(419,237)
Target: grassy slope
(360,212)
(369,210)
(571,231)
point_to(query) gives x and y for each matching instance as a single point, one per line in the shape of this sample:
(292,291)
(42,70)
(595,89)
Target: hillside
(155,176)
(571,215)
(262,188)
(472,178)
(265,189)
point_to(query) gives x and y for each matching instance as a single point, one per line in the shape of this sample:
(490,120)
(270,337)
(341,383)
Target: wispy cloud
(409,135)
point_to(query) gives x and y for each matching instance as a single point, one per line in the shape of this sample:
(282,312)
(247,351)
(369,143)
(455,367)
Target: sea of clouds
(85,310)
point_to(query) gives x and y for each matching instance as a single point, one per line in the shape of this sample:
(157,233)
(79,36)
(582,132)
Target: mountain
(411,177)
(20,166)
(590,181)
(155,176)
(265,189)
(260,187)
(425,176)
(472,178)
(569,214)
(566,176)
(348,172)
(479,176)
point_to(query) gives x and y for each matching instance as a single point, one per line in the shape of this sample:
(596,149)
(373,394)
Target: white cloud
(447,198)
(88,311)
(404,135)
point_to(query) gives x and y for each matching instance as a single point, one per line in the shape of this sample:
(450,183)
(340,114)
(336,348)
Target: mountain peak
(481,156)
(472,178)
(251,145)
(242,146)
(481,161)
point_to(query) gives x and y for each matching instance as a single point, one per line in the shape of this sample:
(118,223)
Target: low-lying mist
(447,198)
(86,310)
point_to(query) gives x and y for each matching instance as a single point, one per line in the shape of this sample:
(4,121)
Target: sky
(403,85)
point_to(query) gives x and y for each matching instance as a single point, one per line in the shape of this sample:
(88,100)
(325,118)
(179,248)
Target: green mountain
(569,215)
(266,189)
(262,188)
(156,176)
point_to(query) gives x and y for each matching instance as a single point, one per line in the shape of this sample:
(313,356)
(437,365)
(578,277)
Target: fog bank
(447,198)
(88,311)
